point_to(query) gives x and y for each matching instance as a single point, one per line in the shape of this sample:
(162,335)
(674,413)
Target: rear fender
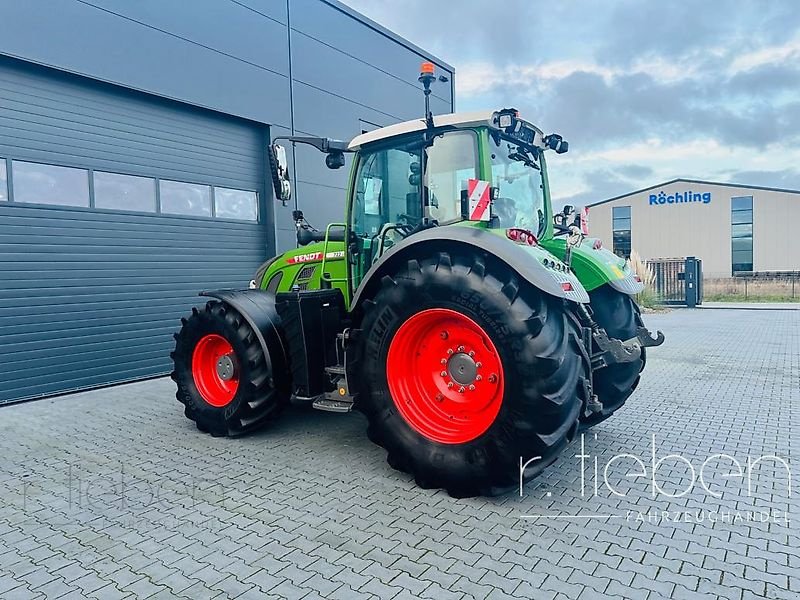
(258,309)
(526,261)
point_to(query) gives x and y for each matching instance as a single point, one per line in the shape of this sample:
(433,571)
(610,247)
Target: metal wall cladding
(90,296)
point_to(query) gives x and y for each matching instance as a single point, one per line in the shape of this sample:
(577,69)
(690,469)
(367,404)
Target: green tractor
(476,330)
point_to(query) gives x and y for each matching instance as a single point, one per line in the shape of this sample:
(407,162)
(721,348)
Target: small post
(690,276)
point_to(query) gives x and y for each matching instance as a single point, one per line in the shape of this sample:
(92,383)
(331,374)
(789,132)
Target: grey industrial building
(133,170)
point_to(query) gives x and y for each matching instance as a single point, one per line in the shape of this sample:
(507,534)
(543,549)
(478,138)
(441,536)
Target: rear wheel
(619,315)
(467,371)
(224,380)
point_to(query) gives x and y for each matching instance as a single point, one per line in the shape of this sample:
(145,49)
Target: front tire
(224,380)
(467,372)
(619,315)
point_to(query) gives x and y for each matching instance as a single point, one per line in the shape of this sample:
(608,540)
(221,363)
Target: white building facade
(732,228)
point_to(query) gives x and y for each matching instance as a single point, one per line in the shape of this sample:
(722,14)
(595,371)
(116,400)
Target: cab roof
(464,119)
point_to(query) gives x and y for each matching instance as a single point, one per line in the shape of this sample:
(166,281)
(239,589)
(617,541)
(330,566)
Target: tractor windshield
(517,174)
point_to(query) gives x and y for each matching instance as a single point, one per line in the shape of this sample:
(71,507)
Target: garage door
(115,209)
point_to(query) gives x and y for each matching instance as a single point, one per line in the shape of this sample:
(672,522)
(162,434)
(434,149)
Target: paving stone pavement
(112,494)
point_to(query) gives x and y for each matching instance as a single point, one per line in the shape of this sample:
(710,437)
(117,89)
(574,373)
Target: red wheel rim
(445,376)
(213,369)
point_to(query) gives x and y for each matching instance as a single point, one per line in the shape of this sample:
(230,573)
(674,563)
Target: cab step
(338,406)
(335,370)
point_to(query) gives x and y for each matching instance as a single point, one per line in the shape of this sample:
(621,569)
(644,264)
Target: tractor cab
(464,169)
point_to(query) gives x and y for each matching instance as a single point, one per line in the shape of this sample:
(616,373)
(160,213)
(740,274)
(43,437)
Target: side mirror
(279,167)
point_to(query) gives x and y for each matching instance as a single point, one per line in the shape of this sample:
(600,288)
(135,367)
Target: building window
(3,180)
(235,204)
(124,192)
(179,198)
(742,234)
(47,184)
(621,226)
(38,183)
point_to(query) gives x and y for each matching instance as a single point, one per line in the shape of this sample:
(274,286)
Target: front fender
(257,307)
(527,261)
(596,267)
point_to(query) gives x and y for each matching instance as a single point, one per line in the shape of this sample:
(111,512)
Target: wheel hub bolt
(444,335)
(439,397)
(443,373)
(471,353)
(225,367)
(443,361)
(449,350)
(461,389)
(492,378)
(478,365)
(478,377)
(471,388)
(450,385)
(461,348)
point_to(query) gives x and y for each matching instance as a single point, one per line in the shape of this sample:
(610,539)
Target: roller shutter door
(92,290)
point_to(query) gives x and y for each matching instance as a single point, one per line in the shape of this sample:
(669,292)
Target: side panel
(302,267)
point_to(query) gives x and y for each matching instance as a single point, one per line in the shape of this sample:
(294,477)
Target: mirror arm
(320,143)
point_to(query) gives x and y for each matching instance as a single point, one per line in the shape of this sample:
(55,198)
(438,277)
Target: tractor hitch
(613,351)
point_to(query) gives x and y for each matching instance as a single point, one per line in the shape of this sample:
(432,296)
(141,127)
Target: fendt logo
(679,198)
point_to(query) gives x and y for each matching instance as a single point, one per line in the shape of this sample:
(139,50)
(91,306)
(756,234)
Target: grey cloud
(634,29)
(766,79)
(474,29)
(754,108)
(593,112)
(602,184)
(615,32)
(787,178)
(635,171)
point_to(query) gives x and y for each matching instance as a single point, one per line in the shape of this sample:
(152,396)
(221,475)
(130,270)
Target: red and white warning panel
(478,193)
(585,220)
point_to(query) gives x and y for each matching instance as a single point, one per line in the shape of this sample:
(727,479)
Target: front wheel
(467,371)
(225,381)
(619,315)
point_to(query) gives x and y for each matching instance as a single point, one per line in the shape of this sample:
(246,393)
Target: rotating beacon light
(426,78)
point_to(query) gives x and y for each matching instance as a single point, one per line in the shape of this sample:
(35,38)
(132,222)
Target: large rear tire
(619,315)
(224,380)
(467,371)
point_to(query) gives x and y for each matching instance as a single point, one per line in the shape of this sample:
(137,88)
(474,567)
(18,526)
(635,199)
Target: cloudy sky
(644,91)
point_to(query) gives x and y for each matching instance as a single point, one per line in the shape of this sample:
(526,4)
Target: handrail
(323,275)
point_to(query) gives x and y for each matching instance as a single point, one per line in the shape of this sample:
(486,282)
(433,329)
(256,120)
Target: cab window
(451,161)
(386,190)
